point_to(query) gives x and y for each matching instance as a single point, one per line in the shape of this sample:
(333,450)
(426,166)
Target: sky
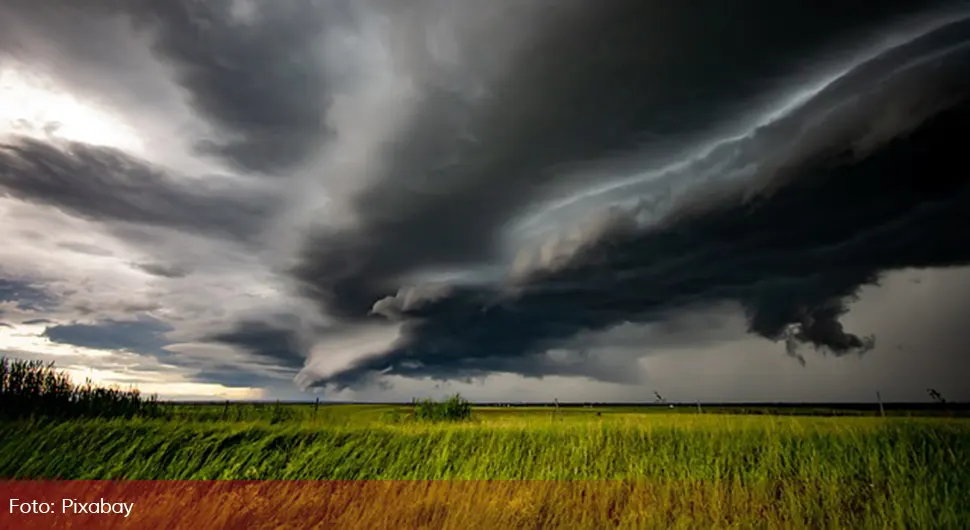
(516,200)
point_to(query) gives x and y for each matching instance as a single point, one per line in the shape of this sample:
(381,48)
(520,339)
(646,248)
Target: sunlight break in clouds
(30,106)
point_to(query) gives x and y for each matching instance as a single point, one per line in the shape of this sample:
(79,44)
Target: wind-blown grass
(500,467)
(663,447)
(706,469)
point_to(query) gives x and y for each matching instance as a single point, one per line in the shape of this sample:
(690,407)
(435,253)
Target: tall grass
(33,389)
(669,470)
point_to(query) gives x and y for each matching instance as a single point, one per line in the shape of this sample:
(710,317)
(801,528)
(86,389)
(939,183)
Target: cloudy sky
(514,199)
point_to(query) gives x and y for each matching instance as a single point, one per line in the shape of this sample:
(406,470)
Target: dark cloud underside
(271,343)
(604,79)
(865,197)
(145,335)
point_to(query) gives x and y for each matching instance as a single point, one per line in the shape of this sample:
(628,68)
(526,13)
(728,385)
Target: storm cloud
(144,335)
(105,184)
(857,181)
(358,193)
(472,161)
(258,74)
(278,343)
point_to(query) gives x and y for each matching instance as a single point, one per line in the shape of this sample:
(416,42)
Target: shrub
(34,389)
(454,408)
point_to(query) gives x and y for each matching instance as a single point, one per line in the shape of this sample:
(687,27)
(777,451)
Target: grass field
(649,468)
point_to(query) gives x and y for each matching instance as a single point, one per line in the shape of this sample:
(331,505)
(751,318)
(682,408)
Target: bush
(454,408)
(34,389)
(394,416)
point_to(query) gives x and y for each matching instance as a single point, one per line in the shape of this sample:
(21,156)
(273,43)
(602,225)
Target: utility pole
(882,411)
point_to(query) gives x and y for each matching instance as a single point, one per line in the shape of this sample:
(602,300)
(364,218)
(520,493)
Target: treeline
(33,389)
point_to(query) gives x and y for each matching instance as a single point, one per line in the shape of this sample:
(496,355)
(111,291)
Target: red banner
(205,505)
(256,505)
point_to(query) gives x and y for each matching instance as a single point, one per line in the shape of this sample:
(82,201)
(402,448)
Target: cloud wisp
(105,184)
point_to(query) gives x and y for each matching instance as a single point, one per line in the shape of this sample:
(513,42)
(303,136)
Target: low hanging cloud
(862,182)
(469,162)
(279,343)
(144,335)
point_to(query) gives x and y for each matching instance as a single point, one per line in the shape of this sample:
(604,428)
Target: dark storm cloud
(262,82)
(276,350)
(35,321)
(594,81)
(26,295)
(276,343)
(145,335)
(104,184)
(511,113)
(872,181)
(233,376)
(258,77)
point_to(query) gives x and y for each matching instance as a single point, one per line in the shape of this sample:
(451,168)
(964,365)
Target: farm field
(525,467)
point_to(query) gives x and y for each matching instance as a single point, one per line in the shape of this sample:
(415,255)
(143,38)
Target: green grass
(870,471)
(357,444)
